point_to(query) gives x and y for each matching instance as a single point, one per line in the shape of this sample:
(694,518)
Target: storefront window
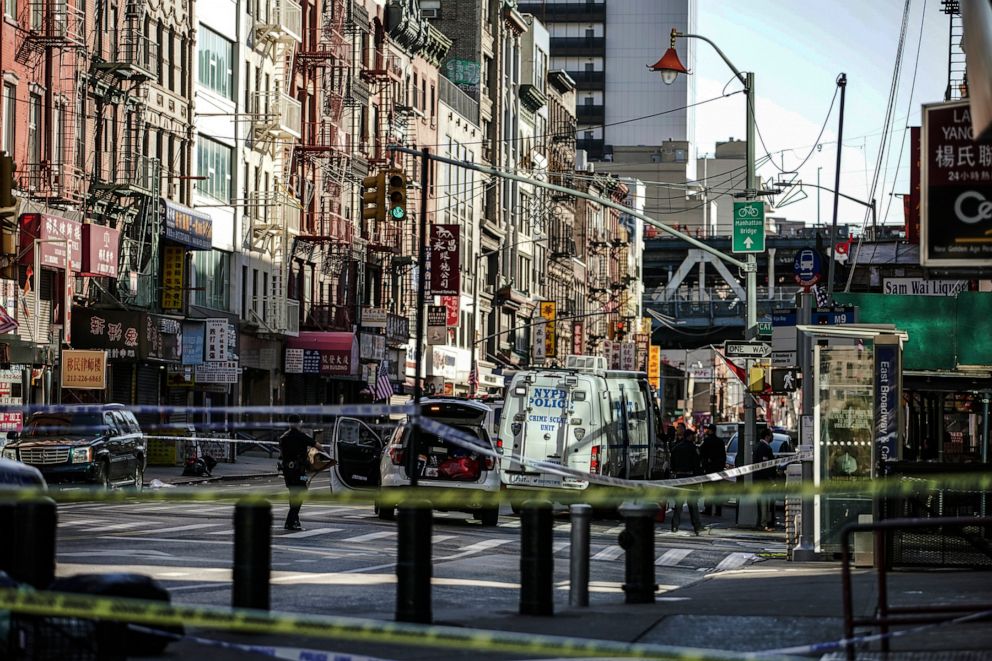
(212,279)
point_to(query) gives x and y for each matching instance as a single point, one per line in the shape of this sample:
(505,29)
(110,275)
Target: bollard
(536,560)
(8,510)
(413,564)
(252,554)
(578,570)
(638,541)
(33,560)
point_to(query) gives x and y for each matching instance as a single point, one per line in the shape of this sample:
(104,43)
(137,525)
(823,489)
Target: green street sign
(749,226)
(764,328)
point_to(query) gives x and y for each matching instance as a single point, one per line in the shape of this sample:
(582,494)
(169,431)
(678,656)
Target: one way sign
(746,349)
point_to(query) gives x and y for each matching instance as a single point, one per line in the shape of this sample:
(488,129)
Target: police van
(585,417)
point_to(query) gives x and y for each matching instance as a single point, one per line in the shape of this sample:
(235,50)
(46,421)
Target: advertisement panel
(84,369)
(654,367)
(445,274)
(187,226)
(956,205)
(101,248)
(117,331)
(194,341)
(437,324)
(549,310)
(216,339)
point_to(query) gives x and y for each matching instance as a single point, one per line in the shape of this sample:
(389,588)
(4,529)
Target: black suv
(102,446)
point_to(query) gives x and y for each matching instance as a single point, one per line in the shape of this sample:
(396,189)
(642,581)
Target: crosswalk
(357,528)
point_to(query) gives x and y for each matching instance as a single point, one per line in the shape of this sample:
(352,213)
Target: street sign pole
(804,550)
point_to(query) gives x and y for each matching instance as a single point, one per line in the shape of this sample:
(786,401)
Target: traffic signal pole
(418,390)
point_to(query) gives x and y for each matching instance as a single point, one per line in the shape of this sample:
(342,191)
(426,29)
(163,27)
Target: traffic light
(397,195)
(6,181)
(374,197)
(619,331)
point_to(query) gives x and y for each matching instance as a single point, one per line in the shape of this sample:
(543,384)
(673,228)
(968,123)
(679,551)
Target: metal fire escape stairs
(957,75)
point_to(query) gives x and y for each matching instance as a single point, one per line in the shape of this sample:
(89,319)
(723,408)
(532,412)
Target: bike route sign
(749,226)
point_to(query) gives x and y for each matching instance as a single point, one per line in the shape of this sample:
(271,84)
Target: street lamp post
(37,293)
(669,66)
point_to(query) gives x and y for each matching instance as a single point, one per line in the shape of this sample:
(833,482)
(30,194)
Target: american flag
(383,388)
(822,298)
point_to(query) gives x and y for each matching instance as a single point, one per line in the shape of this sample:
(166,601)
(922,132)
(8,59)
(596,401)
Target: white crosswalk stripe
(734,560)
(120,526)
(512,523)
(309,533)
(78,522)
(371,536)
(485,545)
(191,526)
(672,557)
(558,547)
(609,553)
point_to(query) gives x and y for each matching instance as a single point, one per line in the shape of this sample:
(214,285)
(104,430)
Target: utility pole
(418,389)
(804,550)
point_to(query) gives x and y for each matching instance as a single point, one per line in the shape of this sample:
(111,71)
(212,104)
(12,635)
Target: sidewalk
(251,464)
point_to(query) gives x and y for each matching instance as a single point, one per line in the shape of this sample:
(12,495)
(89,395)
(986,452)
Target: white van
(584,417)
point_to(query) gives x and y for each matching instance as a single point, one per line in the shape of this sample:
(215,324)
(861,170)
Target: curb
(219,478)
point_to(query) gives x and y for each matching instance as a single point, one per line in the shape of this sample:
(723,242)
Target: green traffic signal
(397,195)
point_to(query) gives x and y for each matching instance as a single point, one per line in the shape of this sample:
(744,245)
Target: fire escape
(957,75)
(273,215)
(323,155)
(56,32)
(124,184)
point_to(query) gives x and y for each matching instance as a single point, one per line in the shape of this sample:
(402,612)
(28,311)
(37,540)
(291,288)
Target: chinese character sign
(173,262)
(84,370)
(101,248)
(445,276)
(654,367)
(549,310)
(956,209)
(578,338)
(216,339)
(451,303)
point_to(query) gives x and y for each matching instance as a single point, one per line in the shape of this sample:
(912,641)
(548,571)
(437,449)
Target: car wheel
(103,478)
(139,479)
(489,516)
(385,513)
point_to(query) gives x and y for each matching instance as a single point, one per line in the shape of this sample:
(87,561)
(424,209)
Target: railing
(127,170)
(56,181)
(590,114)
(461,102)
(578,45)
(585,79)
(54,22)
(276,114)
(137,53)
(271,211)
(279,20)
(329,224)
(329,316)
(581,12)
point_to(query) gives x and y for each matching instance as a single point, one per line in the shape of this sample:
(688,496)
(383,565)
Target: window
(213,161)
(9,116)
(216,57)
(540,69)
(10,8)
(211,279)
(58,139)
(34,128)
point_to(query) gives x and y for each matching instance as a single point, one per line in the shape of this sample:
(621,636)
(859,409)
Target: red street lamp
(670,66)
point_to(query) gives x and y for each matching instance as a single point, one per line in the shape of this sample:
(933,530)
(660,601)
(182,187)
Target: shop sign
(578,338)
(654,367)
(173,277)
(923,287)
(956,205)
(452,304)
(371,347)
(397,329)
(193,343)
(187,226)
(335,362)
(53,230)
(445,275)
(84,369)
(628,356)
(887,402)
(643,341)
(8,306)
(217,340)
(437,324)
(549,310)
(163,338)
(11,421)
(117,331)
(374,317)
(611,351)
(294,361)
(101,247)
(223,371)
(538,343)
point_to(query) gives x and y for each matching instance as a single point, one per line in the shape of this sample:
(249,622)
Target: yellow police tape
(890,487)
(157,613)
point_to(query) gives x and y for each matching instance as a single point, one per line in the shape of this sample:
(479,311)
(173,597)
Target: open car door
(357,449)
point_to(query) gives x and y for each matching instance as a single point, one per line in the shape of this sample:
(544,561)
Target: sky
(796,51)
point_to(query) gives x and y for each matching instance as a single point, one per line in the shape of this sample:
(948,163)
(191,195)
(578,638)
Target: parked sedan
(781,446)
(104,447)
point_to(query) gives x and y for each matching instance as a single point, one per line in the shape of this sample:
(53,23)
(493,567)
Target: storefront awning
(327,353)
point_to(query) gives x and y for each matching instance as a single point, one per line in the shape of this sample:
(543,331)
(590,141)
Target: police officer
(713,454)
(294,445)
(685,463)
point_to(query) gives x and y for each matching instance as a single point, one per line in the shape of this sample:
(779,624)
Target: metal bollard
(33,560)
(638,541)
(536,560)
(413,564)
(252,554)
(578,559)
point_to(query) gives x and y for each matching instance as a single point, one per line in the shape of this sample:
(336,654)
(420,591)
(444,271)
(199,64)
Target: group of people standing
(692,456)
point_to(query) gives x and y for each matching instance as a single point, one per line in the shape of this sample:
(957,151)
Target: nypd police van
(584,417)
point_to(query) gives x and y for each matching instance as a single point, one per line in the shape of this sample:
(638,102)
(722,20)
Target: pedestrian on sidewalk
(713,455)
(686,463)
(766,478)
(295,444)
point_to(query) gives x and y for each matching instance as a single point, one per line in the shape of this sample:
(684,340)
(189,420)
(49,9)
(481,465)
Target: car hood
(51,442)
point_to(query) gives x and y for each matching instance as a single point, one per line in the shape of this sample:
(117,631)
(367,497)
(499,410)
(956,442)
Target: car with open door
(365,461)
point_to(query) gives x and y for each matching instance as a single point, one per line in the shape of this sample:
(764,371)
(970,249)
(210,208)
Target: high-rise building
(605,45)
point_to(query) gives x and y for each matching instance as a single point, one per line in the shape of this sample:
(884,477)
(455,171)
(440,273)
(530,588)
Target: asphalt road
(343,563)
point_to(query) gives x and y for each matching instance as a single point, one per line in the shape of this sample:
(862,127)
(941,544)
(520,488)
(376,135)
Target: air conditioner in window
(431,12)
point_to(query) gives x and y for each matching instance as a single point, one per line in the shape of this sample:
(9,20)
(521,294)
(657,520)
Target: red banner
(445,276)
(55,232)
(101,246)
(451,303)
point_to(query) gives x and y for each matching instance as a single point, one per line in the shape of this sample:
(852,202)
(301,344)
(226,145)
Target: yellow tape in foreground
(156,613)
